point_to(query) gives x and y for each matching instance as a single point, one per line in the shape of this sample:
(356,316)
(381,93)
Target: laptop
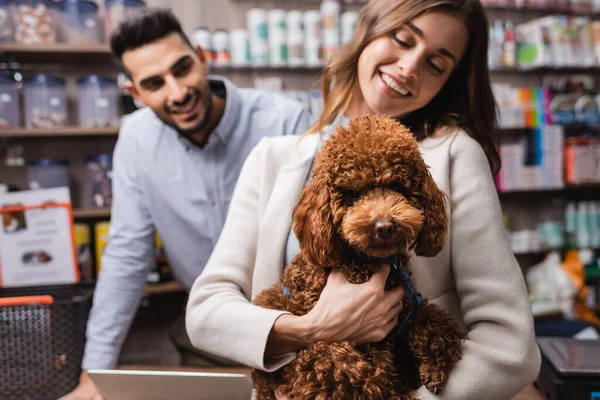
(162,385)
(570,369)
(572,356)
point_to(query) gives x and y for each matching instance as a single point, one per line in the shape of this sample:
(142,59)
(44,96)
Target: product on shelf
(277,37)
(573,100)
(101,230)
(557,41)
(47,173)
(258,32)
(34,22)
(295,38)
(79,22)
(220,48)
(97,102)
(534,162)
(99,181)
(330,15)
(313,38)
(240,48)
(7,33)
(115,11)
(202,38)
(582,160)
(45,102)
(10,112)
(348,22)
(582,224)
(84,251)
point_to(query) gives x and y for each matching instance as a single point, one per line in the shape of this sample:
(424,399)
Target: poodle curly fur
(371,194)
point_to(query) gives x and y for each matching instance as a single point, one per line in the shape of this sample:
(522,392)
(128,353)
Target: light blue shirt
(163,182)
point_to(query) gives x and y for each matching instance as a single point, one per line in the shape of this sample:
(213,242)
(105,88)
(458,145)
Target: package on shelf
(7,33)
(202,37)
(99,170)
(582,160)
(278,48)
(10,109)
(557,41)
(511,110)
(295,38)
(258,32)
(533,162)
(98,103)
(35,22)
(45,101)
(330,20)
(115,11)
(79,22)
(240,48)
(582,224)
(83,244)
(221,48)
(573,99)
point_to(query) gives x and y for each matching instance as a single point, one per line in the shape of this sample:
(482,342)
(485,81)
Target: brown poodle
(371,196)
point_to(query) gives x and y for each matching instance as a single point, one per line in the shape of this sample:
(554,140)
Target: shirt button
(212,202)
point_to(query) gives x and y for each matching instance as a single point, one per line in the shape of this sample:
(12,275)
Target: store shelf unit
(91,213)
(59,132)
(58,53)
(163,288)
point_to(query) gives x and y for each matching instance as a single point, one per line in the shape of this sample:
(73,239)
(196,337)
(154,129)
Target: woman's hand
(360,313)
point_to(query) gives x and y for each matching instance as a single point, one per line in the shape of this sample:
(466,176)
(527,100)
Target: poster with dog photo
(36,238)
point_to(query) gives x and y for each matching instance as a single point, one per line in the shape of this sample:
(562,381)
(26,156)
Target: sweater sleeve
(500,355)
(220,318)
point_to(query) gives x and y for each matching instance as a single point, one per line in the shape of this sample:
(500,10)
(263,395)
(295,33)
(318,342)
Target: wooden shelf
(538,253)
(163,288)
(59,132)
(566,189)
(266,69)
(546,70)
(88,213)
(59,53)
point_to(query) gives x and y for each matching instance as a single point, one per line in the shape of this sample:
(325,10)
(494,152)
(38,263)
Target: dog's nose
(384,228)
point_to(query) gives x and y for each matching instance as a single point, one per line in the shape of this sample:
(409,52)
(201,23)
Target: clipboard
(16,221)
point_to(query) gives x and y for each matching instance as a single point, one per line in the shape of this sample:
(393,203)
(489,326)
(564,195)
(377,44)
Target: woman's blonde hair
(465,101)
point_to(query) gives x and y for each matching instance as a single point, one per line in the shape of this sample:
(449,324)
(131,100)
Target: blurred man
(176,164)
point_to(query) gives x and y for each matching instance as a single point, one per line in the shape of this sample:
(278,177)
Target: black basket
(41,346)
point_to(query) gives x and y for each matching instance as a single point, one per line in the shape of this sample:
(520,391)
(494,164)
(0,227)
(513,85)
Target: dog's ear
(313,225)
(432,202)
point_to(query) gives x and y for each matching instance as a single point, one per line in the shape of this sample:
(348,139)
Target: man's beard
(190,132)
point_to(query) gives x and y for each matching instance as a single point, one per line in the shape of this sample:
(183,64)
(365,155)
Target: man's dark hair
(143,27)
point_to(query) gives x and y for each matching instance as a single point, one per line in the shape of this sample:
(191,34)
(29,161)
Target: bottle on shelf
(571,225)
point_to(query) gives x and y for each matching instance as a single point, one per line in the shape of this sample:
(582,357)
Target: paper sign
(36,238)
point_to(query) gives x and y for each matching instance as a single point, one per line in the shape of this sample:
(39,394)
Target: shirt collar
(233,105)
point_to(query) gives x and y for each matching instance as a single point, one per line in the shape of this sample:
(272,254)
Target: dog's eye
(352,195)
(400,189)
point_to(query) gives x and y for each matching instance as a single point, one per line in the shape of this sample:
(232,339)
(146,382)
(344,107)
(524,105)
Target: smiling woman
(424,63)
(430,59)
